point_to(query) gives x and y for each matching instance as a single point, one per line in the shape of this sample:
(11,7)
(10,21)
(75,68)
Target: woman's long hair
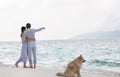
(22,30)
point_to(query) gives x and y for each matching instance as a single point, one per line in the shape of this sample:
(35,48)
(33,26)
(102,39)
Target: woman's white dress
(24,52)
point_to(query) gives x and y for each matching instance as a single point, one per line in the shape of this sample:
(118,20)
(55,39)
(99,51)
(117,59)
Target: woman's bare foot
(16,65)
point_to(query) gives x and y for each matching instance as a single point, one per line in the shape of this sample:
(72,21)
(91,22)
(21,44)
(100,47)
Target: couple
(28,46)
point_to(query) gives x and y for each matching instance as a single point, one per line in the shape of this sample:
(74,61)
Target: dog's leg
(78,74)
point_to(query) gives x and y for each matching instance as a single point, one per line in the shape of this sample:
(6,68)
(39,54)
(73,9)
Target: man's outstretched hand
(43,27)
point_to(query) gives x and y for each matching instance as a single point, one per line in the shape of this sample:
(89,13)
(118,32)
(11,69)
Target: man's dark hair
(28,25)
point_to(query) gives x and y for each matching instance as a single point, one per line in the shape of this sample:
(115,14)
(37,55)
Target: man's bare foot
(30,67)
(34,66)
(25,67)
(16,65)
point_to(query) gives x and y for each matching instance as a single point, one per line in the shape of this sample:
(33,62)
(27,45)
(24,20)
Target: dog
(73,68)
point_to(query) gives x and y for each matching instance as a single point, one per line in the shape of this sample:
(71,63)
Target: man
(30,33)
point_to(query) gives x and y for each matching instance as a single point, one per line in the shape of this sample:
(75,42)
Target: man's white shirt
(30,33)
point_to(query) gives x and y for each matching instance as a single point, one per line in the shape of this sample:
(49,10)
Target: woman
(23,56)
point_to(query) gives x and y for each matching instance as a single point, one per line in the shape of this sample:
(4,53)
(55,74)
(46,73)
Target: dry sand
(39,72)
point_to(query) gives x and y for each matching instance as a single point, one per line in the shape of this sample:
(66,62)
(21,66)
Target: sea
(102,56)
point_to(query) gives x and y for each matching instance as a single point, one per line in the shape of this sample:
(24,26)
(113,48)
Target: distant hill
(100,35)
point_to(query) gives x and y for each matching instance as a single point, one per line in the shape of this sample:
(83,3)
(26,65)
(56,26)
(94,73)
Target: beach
(40,72)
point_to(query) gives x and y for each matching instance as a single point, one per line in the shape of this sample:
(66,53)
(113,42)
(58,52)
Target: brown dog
(73,68)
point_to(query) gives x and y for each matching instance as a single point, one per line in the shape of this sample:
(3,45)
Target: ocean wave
(101,56)
(101,63)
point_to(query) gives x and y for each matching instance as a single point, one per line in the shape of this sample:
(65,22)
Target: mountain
(100,35)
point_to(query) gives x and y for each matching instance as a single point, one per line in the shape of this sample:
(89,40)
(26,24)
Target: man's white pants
(32,55)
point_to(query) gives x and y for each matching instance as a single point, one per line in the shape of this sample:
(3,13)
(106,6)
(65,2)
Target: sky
(63,19)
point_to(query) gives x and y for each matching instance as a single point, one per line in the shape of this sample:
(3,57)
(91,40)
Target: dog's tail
(60,74)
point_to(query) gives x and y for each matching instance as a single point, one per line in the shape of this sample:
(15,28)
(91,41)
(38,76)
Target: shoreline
(12,71)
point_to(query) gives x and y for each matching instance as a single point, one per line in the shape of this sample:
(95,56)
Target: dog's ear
(80,55)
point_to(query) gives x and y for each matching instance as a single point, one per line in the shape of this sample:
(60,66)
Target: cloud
(112,19)
(18,3)
(62,18)
(111,23)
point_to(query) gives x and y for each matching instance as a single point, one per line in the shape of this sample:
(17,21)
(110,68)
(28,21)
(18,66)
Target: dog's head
(82,59)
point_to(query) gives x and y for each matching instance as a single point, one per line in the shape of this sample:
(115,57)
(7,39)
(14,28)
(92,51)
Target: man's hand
(43,27)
